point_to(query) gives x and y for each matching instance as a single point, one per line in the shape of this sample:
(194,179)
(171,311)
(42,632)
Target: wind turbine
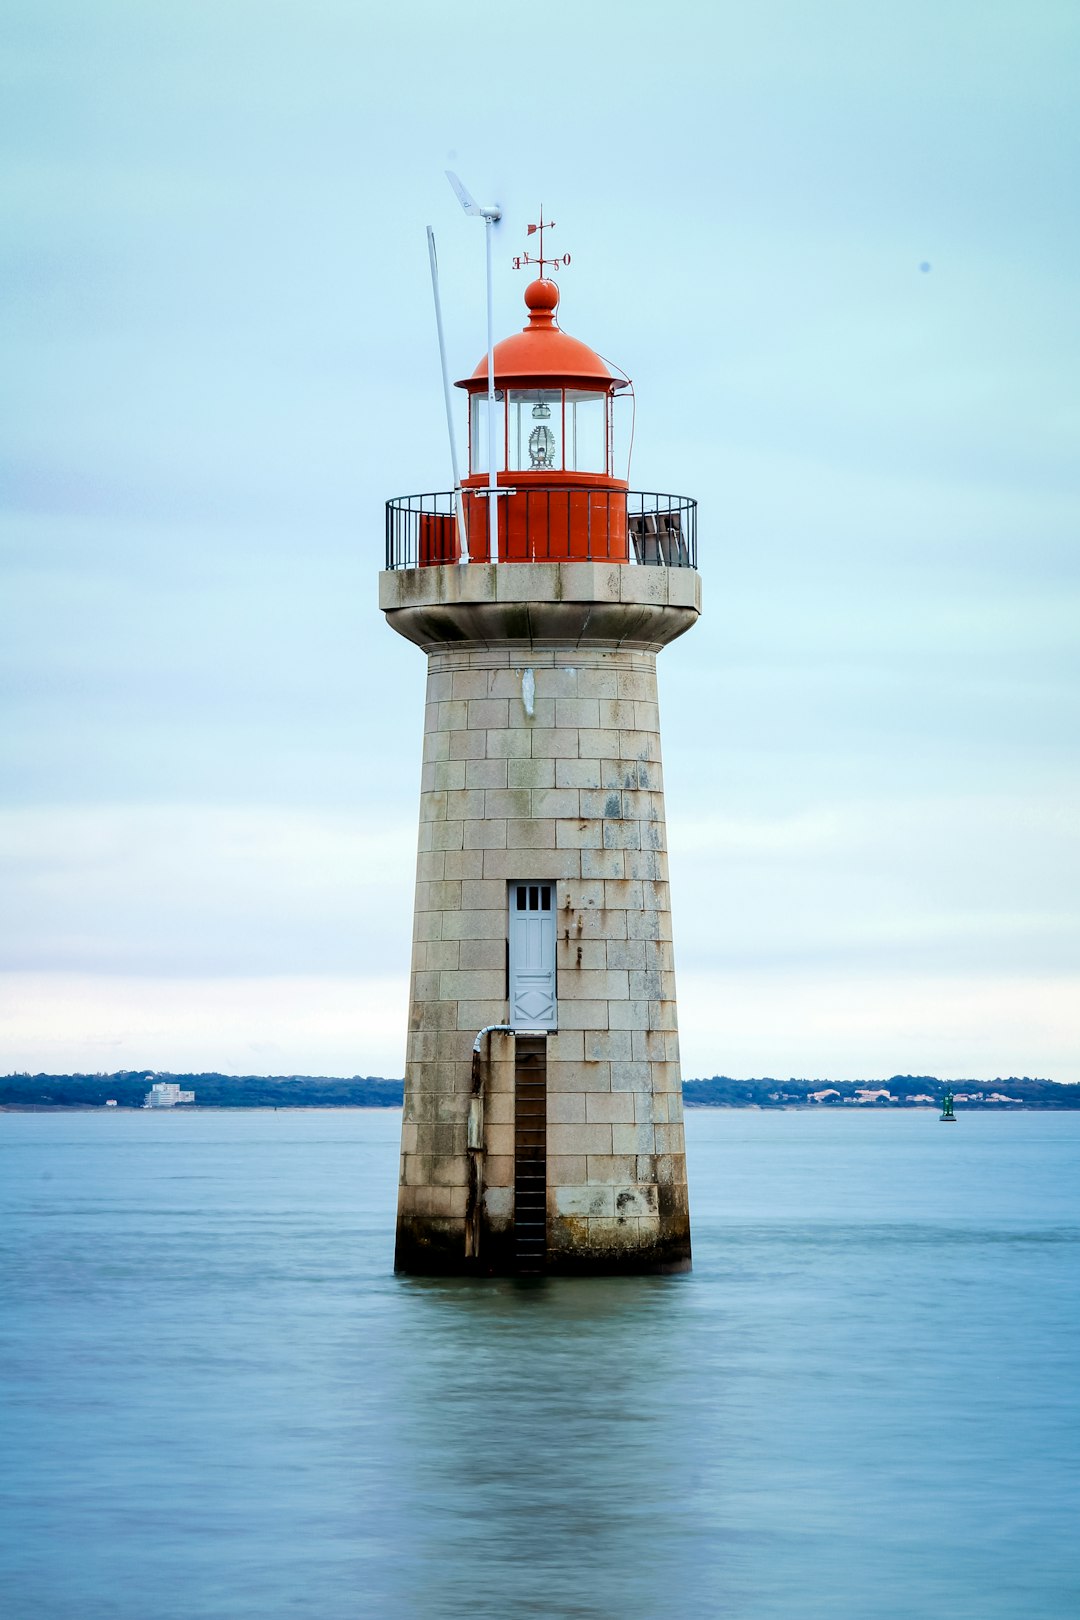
(490,216)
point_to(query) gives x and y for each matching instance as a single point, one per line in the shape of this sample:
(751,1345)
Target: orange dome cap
(542,354)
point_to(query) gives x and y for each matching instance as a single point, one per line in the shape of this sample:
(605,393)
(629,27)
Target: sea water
(862,1404)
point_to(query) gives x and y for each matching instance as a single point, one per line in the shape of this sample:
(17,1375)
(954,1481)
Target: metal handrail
(547,523)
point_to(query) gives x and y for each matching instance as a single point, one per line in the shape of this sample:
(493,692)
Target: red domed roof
(542,354)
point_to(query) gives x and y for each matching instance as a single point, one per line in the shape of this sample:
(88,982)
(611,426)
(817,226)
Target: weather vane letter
(527,258)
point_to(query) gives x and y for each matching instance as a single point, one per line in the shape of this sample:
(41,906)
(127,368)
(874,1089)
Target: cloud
(851,1025)
(948,882)
(128,890)
(287,1024)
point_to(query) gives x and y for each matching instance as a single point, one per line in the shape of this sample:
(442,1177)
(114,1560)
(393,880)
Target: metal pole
(463,538)
(493,481)
(489,216)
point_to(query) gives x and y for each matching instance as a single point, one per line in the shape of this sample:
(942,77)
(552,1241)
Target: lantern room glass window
(544,430)
(586,431)
(478,433)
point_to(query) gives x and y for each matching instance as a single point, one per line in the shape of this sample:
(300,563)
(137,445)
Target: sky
(836,248)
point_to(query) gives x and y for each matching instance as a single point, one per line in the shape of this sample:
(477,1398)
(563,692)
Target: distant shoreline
(128,1090)
(382,1108)
(376,1108)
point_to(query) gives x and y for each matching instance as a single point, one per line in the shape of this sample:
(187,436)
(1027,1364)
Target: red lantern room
(554,453)
(542,406)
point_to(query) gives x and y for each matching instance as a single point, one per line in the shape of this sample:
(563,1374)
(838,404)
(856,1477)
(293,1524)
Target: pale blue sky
(221,361)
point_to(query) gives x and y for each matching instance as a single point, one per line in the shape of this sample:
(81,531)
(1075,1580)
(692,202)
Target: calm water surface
(864,1403)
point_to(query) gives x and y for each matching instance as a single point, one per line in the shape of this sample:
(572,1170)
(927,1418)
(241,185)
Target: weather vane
(527,258)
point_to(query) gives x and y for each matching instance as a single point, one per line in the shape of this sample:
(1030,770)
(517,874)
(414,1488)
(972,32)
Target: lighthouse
(543,1126)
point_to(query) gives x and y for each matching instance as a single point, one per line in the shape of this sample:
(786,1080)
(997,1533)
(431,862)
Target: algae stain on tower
(541,890)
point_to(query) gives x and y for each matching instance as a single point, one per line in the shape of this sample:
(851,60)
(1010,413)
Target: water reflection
(544,1448)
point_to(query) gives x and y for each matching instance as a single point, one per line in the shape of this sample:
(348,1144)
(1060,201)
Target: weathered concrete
(541,605)
(542,762)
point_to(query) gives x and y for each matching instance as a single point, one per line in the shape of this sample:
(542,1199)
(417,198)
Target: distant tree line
(899,1091)
(128,1087)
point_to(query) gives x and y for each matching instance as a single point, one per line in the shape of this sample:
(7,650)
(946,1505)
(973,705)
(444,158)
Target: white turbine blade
(468,203)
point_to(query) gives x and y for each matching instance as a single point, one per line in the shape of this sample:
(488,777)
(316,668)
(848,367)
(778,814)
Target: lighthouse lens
(541,447)
(534,412)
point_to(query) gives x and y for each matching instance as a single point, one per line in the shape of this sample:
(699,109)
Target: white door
(532,956)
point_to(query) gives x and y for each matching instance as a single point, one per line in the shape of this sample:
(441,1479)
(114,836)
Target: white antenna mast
(463,537)
(489,216)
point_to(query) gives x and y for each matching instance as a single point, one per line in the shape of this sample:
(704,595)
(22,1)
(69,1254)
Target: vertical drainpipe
(474,1140)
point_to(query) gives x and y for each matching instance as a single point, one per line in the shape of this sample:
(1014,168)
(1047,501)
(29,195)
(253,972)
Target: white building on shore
(166,1094)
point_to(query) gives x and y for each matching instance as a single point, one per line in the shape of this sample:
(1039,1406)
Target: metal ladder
(530,1153)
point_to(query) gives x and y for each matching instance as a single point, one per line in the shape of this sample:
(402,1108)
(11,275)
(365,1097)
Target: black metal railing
(545,524)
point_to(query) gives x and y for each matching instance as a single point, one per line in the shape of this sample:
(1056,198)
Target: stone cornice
(541,604)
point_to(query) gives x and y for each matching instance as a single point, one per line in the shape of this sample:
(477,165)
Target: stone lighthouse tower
(543,1126)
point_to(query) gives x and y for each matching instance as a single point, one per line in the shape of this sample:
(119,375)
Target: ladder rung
(530,1156)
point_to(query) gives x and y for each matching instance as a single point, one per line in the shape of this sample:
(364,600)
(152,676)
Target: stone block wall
(555,777)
